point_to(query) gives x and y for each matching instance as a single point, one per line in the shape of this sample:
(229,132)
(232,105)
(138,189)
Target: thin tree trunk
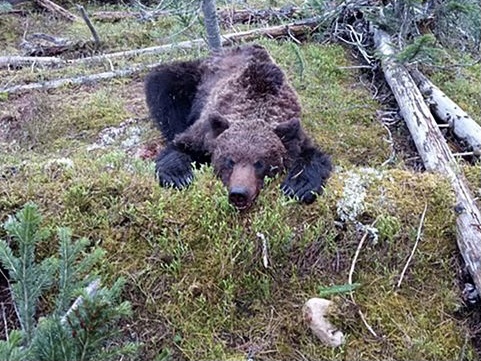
(435,153)
(211,25)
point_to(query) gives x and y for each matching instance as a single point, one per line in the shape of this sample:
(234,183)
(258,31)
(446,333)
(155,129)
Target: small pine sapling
(86,329)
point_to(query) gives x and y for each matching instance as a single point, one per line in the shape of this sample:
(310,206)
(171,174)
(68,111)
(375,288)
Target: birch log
(21,61)
(464,127)
(435,153)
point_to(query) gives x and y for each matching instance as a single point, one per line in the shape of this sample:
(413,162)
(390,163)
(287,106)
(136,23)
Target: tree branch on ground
(464,127)
(56,9)
(21,61)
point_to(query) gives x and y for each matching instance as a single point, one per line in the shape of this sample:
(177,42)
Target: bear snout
(239,197)
(243,187)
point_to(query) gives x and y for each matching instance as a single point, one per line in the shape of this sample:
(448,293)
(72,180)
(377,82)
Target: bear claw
(175,181)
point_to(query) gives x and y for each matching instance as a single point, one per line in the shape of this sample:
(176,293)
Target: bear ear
(218,124)
(288,130)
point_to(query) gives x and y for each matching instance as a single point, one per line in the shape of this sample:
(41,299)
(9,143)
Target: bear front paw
(174,169)
(178,181)
(301,187)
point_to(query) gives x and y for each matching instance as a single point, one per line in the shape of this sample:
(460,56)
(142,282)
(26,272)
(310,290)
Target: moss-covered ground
(194,265)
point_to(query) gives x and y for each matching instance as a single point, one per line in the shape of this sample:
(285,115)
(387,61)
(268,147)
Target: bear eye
(229,163)
(259,165)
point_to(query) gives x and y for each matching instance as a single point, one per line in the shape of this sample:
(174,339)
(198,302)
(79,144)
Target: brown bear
(237,111)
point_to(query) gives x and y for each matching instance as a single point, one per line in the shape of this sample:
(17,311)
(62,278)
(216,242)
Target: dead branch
(56,9)
(351,273)
(80,80)
(464,127)
(91,290)
(418,238)
(14,12)
(434,152)
(40,44)
(86,18)
(21,61)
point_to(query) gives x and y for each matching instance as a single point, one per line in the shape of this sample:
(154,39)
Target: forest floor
(193,264)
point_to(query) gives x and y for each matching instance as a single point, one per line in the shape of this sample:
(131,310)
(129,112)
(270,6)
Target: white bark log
(13,61)
(85,79)
(464,127)
(435,154)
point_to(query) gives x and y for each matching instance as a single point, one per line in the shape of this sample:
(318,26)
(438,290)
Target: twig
(355,67)
(265,254)
(351,272)
(418,237)
(4,317)
(465,154)
(86,18)
(90,291)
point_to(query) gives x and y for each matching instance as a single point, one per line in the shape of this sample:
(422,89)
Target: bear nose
(239,196)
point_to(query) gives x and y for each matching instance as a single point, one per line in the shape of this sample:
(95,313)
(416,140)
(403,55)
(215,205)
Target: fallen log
(21,61)
(51,46)
(80,80)
(464,127)
(56,9)
(434,152)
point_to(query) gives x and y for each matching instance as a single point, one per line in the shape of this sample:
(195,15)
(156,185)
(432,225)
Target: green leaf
(337,289)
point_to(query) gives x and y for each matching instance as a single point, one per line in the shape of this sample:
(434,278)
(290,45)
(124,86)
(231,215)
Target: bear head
(244,153)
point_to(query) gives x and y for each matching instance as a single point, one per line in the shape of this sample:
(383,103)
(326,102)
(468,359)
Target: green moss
(197,263)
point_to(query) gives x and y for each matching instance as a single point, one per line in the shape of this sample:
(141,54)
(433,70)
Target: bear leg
(171,90)
(174,168)
(308,175)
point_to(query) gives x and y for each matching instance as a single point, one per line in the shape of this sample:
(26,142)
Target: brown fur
(250,119)
(246,120)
